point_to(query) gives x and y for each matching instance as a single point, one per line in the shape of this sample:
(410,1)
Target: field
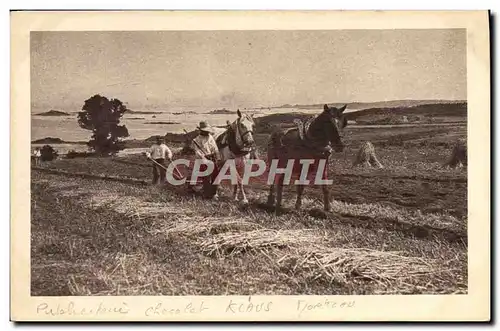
(99,228)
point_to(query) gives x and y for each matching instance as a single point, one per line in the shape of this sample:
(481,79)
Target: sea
(140,125)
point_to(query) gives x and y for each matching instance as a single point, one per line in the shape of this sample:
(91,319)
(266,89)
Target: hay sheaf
(305,254)
(258,240)
(387,270)
(458,157)
(193,226)
(366,156)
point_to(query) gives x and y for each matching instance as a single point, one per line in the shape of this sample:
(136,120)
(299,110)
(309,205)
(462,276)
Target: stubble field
(397,230)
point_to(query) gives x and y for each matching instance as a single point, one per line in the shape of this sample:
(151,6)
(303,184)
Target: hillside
(452,109)
(438,112)
(402,103)
(376,104)
(54,113)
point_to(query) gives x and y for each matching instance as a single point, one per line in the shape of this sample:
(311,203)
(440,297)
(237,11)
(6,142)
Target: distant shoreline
(428,114)
(140,112)
(353,104)
(163,122)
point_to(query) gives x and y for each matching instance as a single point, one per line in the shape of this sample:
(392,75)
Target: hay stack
(366,156)
(458,156)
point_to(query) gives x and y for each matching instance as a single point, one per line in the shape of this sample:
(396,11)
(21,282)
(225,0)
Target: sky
(246,68)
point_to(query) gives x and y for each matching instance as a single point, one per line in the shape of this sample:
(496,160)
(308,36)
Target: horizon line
(278,106)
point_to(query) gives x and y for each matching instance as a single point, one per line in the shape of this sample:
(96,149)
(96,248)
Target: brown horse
(314,141)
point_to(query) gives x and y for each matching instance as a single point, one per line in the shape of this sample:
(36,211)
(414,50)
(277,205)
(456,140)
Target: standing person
(206,148)
(37,154)
(158,153)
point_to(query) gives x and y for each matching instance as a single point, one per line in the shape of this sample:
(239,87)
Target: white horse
(237,143)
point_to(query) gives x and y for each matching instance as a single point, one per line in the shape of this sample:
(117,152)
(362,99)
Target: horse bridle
(242,135)
(246,148)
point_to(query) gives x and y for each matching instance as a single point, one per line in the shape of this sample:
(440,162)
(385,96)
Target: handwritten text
(304,305)
(161,309)
(248,306)
(71,309)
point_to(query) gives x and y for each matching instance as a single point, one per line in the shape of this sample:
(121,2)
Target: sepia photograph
(248,162)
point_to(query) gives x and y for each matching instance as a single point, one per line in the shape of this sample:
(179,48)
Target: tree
(102,116)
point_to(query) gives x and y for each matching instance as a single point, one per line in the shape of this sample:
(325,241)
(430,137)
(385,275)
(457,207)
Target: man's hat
(205,127)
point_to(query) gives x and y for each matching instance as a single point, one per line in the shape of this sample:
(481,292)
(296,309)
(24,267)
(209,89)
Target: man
(158,153)
(206,148)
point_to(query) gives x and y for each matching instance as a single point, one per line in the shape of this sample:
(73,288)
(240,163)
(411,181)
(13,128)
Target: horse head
(243,128)
(329,126)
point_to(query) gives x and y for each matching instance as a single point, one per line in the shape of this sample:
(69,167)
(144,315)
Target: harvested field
(99,228)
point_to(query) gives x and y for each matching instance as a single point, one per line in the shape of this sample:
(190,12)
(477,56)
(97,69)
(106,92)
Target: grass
(397,230)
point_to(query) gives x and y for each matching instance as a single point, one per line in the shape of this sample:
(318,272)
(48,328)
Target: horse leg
(279,192)
(271,198)
(235,192)
(298,202)
(243,195)
(326,192)
(326,197)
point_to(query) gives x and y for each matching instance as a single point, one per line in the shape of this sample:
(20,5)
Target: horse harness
(228,139)
(302,128)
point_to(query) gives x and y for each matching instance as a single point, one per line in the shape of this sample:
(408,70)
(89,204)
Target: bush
(48,153)
(73,154)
